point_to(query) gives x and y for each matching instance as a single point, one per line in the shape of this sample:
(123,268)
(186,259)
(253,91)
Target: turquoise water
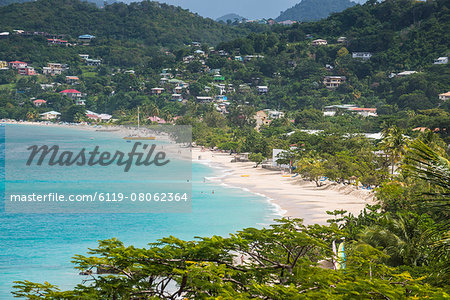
(39,247)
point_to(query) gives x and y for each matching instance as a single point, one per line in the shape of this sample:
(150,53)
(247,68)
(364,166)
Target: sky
(250,9)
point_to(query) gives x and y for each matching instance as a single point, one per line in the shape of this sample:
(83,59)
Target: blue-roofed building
(86,37)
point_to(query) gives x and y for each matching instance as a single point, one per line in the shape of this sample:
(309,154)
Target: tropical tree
(394,144)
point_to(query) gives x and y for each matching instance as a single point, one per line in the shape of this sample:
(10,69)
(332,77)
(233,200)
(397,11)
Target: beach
(294,196)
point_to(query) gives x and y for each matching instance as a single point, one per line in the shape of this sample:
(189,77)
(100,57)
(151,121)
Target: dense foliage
(399,251)
(312,10)
(146,22)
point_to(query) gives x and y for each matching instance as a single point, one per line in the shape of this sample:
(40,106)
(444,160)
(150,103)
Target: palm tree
(431,164)
(394,144)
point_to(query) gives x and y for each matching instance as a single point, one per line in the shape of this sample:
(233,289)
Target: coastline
(290,197)
(295,197)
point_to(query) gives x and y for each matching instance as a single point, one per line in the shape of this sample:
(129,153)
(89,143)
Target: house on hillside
(93,62)
(342,40)
(39,102)
(188,59)
(86,38)
(362,55)
(331,110)
(287,22)
(332,82)
(58,42)
(52,69)
(319,42)
(219,77)
(441,61)
(444,96)
(74,95)
(50,115)
(83,56)
(204,99)
(274,114)
(406,73)
(157,91)
(17,64)
(176,97)
(27,71)
(262,119)
(72,79)
(365,112)
(3,65)
(262,89)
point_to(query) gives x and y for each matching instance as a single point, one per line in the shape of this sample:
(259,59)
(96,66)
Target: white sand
(296,197)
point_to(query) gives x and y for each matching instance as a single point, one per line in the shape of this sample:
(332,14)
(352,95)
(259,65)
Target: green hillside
(148,22)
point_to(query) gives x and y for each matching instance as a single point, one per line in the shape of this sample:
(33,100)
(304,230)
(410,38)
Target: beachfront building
(50,115)
(332,82)
(319,42)
(362,55)
(27,71)
(156,119)
(441,61)
(93,116)
(52,69)
(17,64)
(444,96)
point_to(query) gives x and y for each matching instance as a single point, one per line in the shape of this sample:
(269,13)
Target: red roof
(363,109)
(17,62)
(71,91)
(39,101)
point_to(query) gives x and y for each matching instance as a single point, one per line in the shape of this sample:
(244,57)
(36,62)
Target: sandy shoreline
(296,197)
(293,196)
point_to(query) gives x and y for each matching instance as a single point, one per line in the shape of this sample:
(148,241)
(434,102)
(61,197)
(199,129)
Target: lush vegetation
(397,251)
(312,10)
(146,22)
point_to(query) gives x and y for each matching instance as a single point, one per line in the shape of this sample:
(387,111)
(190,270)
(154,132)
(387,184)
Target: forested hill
(149,22)
(312,10)
(401,34)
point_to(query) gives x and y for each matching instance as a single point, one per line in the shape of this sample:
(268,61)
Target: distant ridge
(313,10)
(232,17)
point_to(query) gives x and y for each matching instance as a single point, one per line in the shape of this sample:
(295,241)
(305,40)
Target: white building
(262,89)
(441,61)
(50,115)
(444,96)
(362,55)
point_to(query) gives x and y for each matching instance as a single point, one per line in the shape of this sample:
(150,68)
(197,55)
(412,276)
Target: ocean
(39,247)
